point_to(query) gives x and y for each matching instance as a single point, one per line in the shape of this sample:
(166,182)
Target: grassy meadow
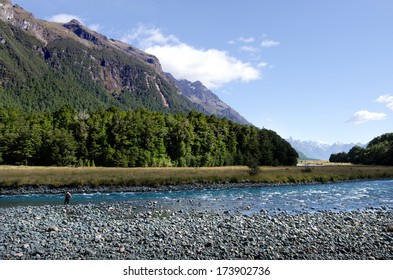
(14,176)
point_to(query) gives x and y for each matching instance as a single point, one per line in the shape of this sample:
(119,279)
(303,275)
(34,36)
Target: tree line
(138,138)
(378,152)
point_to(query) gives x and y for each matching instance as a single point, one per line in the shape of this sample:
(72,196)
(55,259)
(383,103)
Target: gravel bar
(47,189)
(119,231)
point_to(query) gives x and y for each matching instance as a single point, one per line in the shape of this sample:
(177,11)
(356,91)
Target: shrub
(307,169)
(253,168)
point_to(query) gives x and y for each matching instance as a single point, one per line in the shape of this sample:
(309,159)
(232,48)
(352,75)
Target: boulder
(52,228)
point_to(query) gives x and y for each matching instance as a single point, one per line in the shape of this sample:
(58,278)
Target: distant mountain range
(319,150)
(46,65)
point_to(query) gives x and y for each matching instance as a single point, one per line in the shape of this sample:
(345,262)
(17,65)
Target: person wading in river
(67,198)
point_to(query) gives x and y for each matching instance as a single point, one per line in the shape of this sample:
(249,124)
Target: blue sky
(311,70)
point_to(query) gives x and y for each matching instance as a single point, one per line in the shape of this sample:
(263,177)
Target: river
(346,196)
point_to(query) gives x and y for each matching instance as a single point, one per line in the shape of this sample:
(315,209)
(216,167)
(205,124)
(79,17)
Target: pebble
(118,231)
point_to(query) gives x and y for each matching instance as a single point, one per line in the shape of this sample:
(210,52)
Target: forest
(138,138)
(378,152)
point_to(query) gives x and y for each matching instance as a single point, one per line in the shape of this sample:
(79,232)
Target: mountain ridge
(105,72)
(207,100)
(318,150)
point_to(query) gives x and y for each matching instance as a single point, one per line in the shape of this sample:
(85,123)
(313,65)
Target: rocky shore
(118,231)
(47,189)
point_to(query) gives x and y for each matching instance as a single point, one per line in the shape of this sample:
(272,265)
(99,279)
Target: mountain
(46,65)
(207,101)
(319,150)
(378,151)
(302,156)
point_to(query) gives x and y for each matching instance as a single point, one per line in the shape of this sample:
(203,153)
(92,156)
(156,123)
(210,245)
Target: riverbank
(118,231)
(88,179)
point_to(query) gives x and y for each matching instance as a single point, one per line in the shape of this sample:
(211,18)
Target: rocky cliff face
(6,12)
(18,17)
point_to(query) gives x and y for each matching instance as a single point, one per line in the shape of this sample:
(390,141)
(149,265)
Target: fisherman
(67,198)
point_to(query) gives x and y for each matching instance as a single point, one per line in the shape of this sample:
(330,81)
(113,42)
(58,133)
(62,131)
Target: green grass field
(14,176)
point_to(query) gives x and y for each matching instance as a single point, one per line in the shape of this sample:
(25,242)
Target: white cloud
(387,99)
(262,64)
(64,18)
(246,40)
(269,43)
(149,37)
(212,67)
(366,116)
(249,49)
(94,27)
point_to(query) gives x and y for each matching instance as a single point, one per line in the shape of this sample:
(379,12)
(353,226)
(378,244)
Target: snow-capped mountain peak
(318,149)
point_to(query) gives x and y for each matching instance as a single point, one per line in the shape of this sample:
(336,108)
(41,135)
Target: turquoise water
(347,196)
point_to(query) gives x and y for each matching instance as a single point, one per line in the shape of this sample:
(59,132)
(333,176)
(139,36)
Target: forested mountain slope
(44,66)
